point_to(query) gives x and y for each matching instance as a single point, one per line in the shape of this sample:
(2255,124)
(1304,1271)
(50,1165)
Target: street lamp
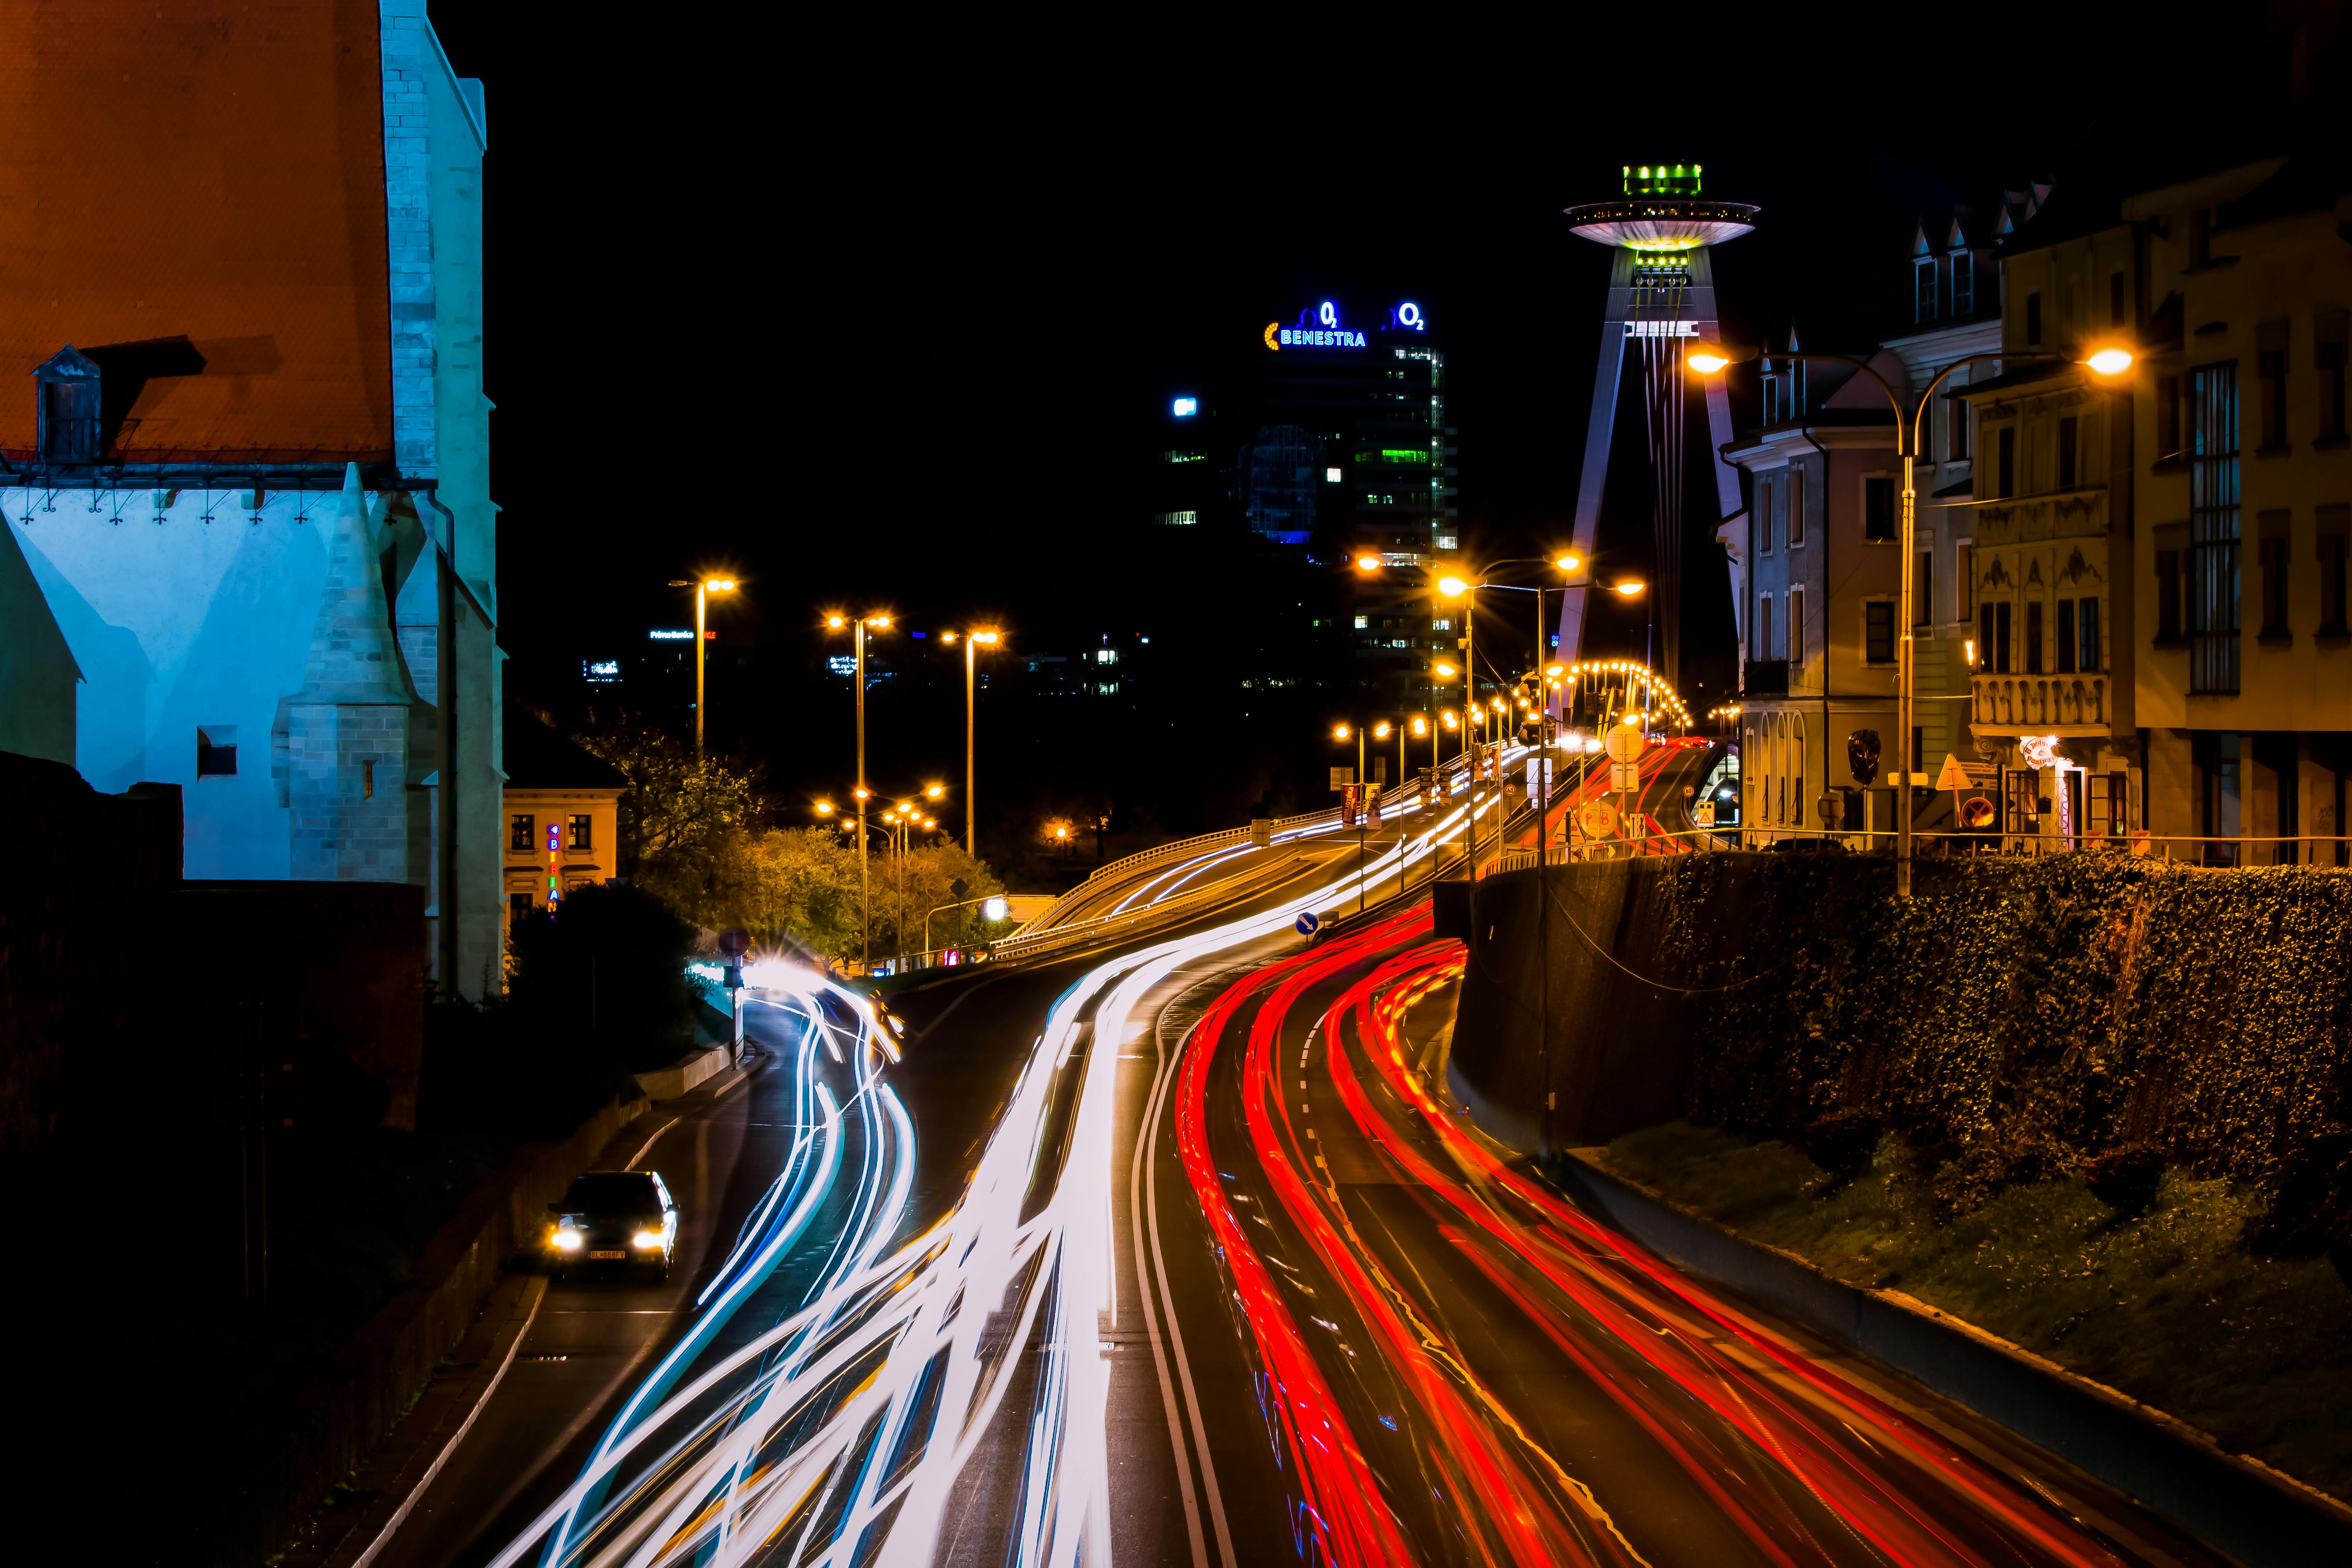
(880,622)
(1712,359)
(703,589)
(973,641)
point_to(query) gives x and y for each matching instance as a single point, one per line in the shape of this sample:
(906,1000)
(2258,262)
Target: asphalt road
(1243,1289)
(566,1356)
(1368,1302)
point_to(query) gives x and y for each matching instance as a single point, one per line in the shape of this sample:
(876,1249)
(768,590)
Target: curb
(2241,1506)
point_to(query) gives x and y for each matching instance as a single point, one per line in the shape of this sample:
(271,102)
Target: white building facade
(250,547)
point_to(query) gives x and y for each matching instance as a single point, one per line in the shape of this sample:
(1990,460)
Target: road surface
(1168,1247)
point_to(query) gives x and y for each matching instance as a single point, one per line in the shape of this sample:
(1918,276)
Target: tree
(797,881)
(683,817)
(908,887)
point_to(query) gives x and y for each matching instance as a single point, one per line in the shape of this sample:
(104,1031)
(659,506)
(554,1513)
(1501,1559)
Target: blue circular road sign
(1307,923)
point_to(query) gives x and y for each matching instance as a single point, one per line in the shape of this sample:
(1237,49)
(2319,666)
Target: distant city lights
(1185,407)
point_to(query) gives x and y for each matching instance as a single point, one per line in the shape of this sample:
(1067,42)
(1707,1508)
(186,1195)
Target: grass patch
(2168,1306)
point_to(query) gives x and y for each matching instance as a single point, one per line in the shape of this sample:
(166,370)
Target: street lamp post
(1713,359)
(879,622)
(971,640)
(1378,731)
(703,589)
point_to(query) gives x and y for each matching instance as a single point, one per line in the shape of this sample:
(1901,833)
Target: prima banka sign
(1319,327)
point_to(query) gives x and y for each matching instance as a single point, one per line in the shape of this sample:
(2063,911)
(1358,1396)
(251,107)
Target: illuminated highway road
(1395,1345)
(1162,1251)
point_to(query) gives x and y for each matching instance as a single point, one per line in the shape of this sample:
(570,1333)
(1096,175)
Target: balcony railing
(2039,699)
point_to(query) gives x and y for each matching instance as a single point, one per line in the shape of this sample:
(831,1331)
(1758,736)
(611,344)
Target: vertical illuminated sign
(554,852)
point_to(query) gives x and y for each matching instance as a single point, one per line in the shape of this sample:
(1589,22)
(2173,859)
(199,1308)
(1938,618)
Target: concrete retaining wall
(291,1461)
(669,1082)
(2243,1507)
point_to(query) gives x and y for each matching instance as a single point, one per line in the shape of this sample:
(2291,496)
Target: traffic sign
(1625,777)
(1703,814)
(1626,744)
(734,941)
(2141,844)
(1598,819)
(1976,813)
(1307,923)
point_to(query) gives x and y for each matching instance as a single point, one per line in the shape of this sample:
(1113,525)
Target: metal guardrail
(1103,876)
(1039,934)
(2199,851)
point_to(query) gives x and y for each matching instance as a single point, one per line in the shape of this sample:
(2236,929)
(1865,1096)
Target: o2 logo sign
(1319,327)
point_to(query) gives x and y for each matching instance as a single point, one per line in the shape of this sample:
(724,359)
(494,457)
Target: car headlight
(567,1240)
(647,1238)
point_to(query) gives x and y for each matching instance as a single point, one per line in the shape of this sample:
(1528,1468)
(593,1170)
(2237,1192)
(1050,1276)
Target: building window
(1924,291)
(1878,631)
(2070,438)
(2274,560)
(1796,503)
(367,781)
(216,751)
(1984,638)
(1768,494)
(1964,575)
(1923,591)
(2004,477)
(2168,596)
(518,835)
(1180,519)
(2213,575)
(2335,526)
(1796,625)
(1878,509)
(2086,645)
(1764,626)
(2033,318)
(2000,636)
(519,907)
(1955,436)
(2065,636)
(583,833)
(2331,391)
(1964,282)
(2033,637)
(2118,306)
(2167,418)
(2270,368)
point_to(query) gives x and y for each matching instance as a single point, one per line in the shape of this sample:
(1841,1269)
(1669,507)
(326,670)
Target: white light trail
(766,1447)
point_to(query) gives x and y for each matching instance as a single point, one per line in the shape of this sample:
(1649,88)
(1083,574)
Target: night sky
(888,314)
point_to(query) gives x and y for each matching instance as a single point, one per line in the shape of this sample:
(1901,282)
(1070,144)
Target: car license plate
(604,1255)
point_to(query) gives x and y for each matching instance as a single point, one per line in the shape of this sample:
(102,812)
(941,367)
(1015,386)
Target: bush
(2126,1179)
(602,981)
(1842,1141)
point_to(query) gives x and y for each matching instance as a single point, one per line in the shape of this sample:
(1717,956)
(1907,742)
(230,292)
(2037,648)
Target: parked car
(620,1220)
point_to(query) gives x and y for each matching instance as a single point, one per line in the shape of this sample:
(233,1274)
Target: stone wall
(81,875)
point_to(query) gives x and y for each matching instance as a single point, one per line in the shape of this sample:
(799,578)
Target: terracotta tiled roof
(193,193)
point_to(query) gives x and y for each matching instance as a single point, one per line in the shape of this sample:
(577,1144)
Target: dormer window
(1923,309)
(64,418)
(1964,282)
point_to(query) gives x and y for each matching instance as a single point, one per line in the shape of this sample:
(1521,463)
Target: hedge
(2018,1019)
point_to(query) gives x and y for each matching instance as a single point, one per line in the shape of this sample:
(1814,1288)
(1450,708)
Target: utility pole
(864,884)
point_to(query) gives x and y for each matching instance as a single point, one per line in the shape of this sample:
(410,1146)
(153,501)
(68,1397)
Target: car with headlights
(618,1221)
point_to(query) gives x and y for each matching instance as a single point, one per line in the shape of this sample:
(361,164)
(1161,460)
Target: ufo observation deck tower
(1660,295)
